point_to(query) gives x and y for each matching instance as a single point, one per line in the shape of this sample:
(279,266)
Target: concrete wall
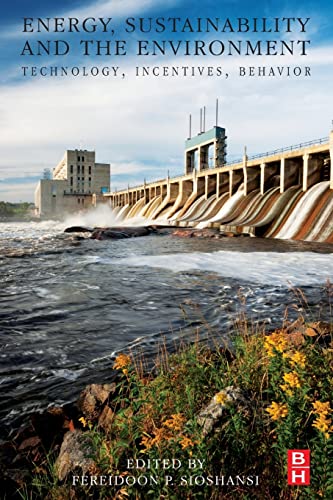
(101,177)
(51,201)
(302,166)
(83,174)
(49,197)
(75,179)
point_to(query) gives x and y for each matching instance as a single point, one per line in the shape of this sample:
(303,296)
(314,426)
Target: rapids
(68,306)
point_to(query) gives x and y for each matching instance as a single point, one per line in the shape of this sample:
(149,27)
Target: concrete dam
(286,193)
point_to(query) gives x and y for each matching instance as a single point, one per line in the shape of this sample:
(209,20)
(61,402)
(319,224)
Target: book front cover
(166,218)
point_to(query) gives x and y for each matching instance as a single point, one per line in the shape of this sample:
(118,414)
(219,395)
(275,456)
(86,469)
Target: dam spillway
(286,194)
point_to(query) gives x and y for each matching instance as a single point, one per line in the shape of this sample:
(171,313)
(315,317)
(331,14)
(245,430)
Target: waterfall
(293,214)
(215,207)
(225,211)
(299,215)
(123,212)
(136,208)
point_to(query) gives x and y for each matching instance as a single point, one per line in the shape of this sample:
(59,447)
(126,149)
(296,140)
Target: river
(68,306)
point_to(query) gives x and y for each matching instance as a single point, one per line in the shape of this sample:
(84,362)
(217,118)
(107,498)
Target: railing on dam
(302,145)
(294,147)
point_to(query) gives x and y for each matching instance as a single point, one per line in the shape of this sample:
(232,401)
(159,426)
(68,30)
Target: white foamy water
(302,211)
(100,216)
(298,268)
(103,216)
(24,230)
(226,209)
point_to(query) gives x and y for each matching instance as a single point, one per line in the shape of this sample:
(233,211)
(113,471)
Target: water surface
(67,307)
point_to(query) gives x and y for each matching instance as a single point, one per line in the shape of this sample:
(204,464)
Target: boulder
(298,330)
(8,453)
(13,480)
(212,413)
(197,233)
(106,418)
(32,442)
(75,455)
(78,229)
(51,425)
(183,233)
(116,233)
(92,399)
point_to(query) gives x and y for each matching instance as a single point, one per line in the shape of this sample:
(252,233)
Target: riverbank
(16,212)
(202,423)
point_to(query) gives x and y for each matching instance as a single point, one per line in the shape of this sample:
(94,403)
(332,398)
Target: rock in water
(116,233)
(78,229)
(196,233)
(183,233)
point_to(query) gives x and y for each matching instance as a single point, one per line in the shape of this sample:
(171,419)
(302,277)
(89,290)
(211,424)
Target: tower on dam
(206,150)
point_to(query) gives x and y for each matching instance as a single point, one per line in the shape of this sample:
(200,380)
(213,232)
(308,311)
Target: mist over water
(103,216)
(100,216)
(67,306)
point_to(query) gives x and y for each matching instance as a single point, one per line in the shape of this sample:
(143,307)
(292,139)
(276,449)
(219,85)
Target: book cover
(166,218)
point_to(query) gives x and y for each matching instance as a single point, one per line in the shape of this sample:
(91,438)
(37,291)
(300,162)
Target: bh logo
(299,467)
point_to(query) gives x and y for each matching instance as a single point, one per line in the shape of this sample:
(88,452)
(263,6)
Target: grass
(284,385)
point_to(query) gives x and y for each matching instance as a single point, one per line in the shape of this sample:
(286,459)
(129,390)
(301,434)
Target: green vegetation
(284,383)
(14,209)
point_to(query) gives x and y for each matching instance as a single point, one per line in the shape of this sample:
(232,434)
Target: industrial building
(77,183)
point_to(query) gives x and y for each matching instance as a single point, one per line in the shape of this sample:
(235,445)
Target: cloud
(17,192)
(138,124)
(131,167)
(18,180)
(118,8)
(101,8)
(132,174)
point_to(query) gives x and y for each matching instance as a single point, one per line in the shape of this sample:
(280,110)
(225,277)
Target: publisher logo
(299,467)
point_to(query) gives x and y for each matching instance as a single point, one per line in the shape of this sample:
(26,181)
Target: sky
(139,124)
